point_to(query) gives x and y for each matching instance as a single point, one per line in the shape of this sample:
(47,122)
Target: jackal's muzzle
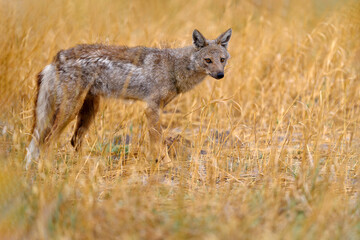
(218,75)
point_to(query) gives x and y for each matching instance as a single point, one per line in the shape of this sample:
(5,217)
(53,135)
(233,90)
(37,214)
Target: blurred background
(269,152)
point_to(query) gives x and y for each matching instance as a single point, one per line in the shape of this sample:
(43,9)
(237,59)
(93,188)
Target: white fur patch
(43,105)
(99,61)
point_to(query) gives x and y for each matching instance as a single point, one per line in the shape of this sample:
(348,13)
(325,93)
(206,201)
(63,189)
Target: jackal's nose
(220,75)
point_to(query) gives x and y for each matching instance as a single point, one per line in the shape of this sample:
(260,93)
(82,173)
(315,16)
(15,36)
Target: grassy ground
(269,152)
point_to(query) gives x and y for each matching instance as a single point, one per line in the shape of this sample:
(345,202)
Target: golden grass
(270,152)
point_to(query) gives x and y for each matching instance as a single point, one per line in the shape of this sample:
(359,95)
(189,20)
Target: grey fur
(72,84)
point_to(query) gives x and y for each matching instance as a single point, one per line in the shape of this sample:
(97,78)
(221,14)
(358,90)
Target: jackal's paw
(165,161)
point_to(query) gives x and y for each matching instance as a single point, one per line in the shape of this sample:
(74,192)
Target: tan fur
(73,83)
(38,83)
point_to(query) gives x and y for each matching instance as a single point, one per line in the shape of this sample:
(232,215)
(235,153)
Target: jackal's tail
(43,111)
(38,84)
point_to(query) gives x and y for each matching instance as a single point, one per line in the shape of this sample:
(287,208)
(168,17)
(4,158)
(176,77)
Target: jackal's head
(211,55)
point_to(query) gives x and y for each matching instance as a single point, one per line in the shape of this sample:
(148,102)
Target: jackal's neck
(185,71)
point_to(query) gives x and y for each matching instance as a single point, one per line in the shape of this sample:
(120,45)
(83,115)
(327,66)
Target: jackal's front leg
(158,149)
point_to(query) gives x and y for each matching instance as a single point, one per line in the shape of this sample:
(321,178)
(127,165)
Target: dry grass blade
(269,152)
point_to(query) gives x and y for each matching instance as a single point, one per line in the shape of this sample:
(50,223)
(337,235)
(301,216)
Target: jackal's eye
(222,59)
(208,60)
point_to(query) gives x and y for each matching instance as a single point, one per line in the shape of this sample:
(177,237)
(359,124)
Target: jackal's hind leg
(85,117)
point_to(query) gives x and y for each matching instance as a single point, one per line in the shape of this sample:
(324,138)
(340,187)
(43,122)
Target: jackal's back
(135,55)
(113,71)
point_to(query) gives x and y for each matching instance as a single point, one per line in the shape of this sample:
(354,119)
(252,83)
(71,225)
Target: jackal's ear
(199,39)
(224,38)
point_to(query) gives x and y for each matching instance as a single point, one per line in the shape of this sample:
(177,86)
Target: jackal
(71,86)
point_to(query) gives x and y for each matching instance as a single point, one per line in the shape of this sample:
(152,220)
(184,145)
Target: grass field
(269,152)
